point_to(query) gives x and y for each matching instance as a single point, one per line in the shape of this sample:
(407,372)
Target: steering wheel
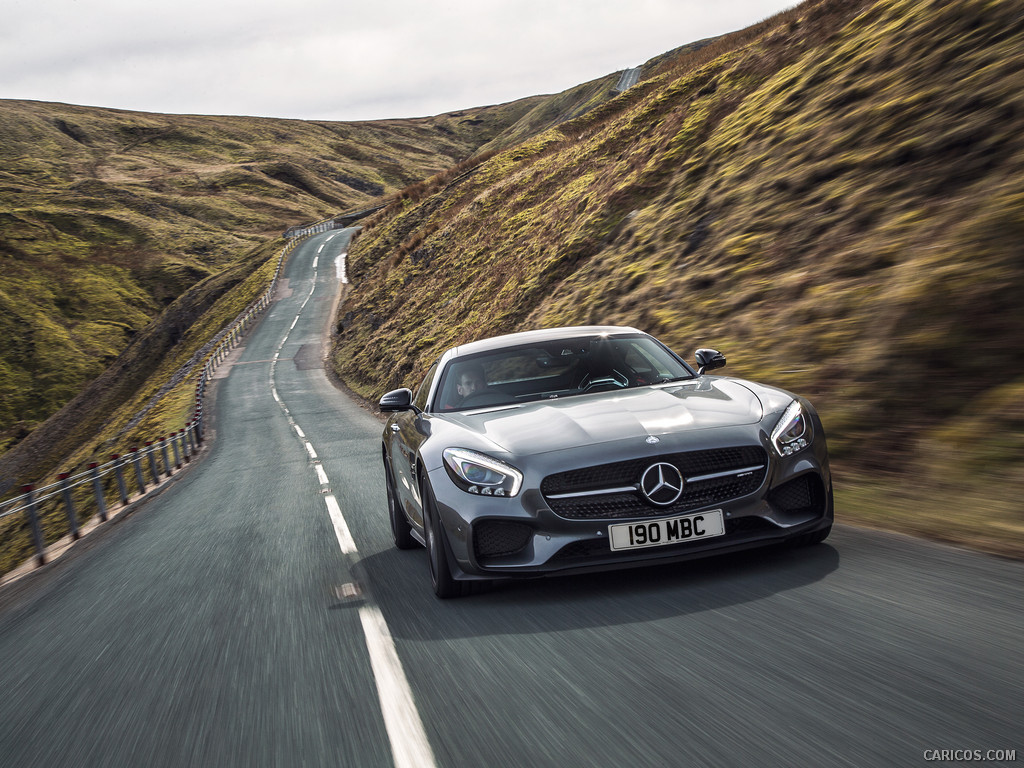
(479,399)
(614,380)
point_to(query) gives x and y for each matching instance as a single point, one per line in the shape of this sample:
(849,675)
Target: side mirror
(397,400)
(709,360)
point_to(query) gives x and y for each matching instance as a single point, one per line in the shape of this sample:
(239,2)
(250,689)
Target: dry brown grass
(834,195)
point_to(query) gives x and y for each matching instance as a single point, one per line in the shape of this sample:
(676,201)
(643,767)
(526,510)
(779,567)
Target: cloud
(315,59)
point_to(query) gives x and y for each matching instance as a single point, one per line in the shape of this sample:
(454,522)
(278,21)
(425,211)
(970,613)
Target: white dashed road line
(345,540)
(409,745)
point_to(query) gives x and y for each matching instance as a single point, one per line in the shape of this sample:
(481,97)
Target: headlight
(792,433)
(477,473)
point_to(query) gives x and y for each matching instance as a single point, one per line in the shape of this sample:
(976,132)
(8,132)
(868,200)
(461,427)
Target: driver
(471,381)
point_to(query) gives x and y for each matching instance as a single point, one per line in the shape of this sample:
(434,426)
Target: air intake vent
(803,495)
(497,538)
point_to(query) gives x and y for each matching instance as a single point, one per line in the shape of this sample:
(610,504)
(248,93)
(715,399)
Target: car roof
(534,337)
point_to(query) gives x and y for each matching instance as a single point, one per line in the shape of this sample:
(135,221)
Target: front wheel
(441,579)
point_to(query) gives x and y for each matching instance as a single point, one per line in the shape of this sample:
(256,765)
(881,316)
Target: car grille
(496,538)
(611,491)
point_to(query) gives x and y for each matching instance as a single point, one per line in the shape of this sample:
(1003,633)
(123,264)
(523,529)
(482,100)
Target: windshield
(556,369)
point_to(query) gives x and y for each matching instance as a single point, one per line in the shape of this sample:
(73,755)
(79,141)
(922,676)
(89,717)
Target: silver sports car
(581,449)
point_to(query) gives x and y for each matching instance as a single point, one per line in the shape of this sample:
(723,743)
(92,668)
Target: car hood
(553,425)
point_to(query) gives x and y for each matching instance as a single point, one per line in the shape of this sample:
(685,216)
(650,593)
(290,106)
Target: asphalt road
(256,614)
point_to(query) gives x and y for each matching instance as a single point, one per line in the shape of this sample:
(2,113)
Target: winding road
(255,613)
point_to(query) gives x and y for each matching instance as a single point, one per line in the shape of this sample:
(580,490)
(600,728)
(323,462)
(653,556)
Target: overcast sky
(337,59)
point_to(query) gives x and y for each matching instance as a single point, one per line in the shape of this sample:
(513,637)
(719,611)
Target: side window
(420,401)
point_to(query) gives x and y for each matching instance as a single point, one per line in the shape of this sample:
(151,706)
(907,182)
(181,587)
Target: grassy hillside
(129,240)
(834,198)
(107,217)
(148,392)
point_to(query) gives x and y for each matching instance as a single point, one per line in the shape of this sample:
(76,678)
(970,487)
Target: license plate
(658,533)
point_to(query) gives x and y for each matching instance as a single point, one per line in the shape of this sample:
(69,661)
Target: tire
(401,532)
(444,585)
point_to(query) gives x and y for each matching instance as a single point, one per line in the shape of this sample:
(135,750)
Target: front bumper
(523,537)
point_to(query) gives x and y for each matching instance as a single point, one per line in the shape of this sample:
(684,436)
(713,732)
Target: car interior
(559,369)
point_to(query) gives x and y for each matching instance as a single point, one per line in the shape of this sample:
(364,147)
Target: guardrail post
(122,489)
(97,487)
(199,426)
(137,461)
(173,437)
(152,462)
(65,488)
(183,439)
(33,519)
(163,452)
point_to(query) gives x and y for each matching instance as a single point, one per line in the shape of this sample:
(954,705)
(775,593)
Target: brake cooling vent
(497,538)
(802,495)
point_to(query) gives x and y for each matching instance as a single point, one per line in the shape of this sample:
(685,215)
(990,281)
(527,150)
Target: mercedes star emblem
(662,484)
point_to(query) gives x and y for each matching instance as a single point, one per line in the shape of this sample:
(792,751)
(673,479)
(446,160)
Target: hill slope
(835,198)
(107,216)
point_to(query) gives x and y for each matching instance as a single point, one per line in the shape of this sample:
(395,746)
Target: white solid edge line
(340,265)
(345,540)
(409,745)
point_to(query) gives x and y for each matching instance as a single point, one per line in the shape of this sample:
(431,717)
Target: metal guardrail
(336,222)
(159,459)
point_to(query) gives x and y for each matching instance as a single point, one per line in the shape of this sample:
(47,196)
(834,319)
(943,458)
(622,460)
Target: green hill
(834,198)
(106,217)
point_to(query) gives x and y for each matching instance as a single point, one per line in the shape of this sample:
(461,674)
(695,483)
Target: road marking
(345,540)
(409,745)
(321,475)
(340,265)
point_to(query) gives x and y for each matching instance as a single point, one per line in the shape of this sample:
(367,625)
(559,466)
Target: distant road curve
(628,79)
